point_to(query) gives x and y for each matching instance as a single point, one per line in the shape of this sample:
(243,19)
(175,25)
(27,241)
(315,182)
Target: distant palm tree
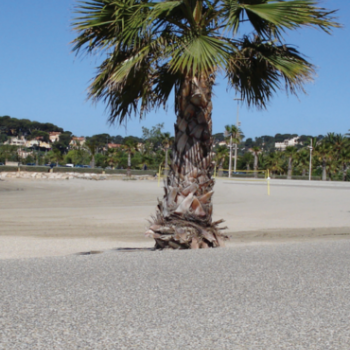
(247,161)
(91,146)
(303,160)
(342,148)
(167,140)
(290,152)
(221,153)
(234,136)
(154,48)
(274,162)
(323,152)
(130,147)
(256,151)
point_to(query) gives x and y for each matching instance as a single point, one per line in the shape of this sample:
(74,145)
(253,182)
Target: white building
(283,145)
(16,141)
(77,141)
(54,136)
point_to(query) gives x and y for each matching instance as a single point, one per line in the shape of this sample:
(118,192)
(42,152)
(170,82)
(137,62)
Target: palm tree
(344,159)
(290,152)
(256,151)
(154,48)
(323,152)
(234,134)
(221,153)
(274,162)
(341,148)
(167,140)
(130,147)
(247,161)
(303,160)
(91,146)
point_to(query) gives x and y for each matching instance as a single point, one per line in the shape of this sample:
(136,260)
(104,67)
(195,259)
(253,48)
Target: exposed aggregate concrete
(278,296)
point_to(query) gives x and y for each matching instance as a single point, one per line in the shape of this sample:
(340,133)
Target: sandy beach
(52,218)
(282,283)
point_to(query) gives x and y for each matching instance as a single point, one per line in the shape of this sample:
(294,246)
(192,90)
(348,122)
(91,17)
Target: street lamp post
(310,165)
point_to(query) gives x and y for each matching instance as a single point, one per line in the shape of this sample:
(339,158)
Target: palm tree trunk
(303,172)
(128,172)
(221,171)
(345,170)
(289,174)
(184,216)
(255,165)
(324,172)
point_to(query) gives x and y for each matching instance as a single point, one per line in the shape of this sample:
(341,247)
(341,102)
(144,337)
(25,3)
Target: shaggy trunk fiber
(184,216)
(289,174)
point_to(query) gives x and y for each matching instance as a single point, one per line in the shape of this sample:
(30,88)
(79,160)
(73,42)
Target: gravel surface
(276,296)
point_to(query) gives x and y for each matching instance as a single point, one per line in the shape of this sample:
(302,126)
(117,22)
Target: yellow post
(214,172)
(268,182)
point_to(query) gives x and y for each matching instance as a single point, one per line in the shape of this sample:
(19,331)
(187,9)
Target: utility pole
(310,165)
(230,162)
(238,125)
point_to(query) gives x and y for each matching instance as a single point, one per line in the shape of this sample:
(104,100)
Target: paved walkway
(279,296)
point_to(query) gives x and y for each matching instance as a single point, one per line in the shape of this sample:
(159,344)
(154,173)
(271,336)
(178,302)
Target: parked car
(79,166)
(2,164)
(70,165)
(30,164)
(86,166)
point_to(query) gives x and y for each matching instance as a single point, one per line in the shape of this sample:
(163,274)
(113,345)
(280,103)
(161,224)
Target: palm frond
(199,53)
(260,68)
(272,17)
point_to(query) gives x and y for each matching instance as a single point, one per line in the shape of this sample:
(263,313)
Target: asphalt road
(273,296)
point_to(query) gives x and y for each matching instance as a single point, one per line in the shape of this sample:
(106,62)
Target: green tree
(154,48)
(62,145)
(77,156)
(44,136)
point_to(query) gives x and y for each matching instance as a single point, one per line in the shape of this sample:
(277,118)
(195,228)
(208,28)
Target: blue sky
(40,79)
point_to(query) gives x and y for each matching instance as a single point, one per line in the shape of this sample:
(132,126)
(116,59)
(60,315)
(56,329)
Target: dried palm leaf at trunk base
(184,216)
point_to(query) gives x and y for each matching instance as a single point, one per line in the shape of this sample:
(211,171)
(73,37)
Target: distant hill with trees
(24,127)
